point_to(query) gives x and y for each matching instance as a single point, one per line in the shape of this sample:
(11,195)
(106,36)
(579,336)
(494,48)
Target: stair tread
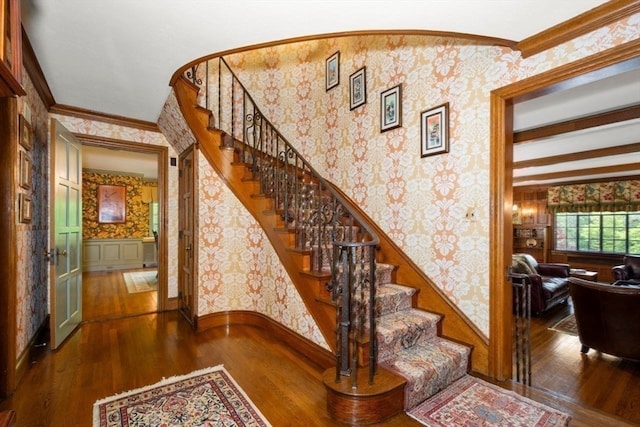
(429,367)
(393,297)
(403,329)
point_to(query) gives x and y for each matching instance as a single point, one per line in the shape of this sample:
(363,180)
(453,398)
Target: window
(153,217)
(605,232)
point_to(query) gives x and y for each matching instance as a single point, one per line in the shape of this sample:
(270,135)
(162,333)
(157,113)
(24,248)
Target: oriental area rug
(141,281)
(208,397)
(567,325)
(474,402)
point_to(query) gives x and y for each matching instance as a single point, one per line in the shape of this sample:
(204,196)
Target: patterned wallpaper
(419,202)
(32,272)
(137,212)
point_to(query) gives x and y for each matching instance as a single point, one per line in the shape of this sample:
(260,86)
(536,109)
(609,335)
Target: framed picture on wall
(391,108)
(24,208)
(434,130)
(25,170)
(332,73)
(112,206)
(358,88)
(25,133)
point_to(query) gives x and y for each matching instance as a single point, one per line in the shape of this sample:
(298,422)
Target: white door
(66,234)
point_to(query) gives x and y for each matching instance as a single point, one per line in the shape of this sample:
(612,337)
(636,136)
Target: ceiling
(117,57)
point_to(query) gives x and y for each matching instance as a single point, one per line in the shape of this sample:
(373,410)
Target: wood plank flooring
(130,350)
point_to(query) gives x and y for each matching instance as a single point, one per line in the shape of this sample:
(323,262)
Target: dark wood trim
(163,197)
(484,40)
(581,155)
(368,404)
(584,23)
(629,167)
(32,66)
(81,113)
(606,62)
(311,350)
(8,185)
(596,120)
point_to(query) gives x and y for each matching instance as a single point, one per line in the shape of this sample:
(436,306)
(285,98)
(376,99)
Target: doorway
(124,292)
(606,63)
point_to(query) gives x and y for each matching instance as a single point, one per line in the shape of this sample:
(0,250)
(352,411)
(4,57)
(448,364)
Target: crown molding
(81,113)
(584,23)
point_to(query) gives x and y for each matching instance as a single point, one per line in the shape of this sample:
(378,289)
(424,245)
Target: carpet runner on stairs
(408,342)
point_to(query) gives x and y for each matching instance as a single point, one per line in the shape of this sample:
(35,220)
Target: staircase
(402,347)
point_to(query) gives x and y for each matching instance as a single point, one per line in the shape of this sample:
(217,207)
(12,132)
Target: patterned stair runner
(408,342)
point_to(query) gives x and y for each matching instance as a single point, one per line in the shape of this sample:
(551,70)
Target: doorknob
(63,253)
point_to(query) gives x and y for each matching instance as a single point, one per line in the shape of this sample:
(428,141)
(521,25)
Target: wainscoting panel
(112,254)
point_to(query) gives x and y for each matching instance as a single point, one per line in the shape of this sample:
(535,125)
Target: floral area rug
(209,397)
(141,281)
(473,402)
(567,326)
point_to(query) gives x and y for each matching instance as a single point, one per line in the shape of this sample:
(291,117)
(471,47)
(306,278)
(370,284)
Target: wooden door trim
(163,193)
(8,185)
(609,62)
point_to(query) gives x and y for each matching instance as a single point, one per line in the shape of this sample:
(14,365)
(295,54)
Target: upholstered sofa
(549,281)
(628,271)
(607,317)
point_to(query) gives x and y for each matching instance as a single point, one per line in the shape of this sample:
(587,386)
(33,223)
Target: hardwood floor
(130,350)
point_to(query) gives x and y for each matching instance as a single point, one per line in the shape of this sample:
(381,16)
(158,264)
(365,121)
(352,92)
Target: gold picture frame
(112,207)
(25,170)
(24,208)
(25,133)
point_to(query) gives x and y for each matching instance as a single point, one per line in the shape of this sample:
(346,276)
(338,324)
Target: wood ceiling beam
(583,155)
(602,119)
(573,174)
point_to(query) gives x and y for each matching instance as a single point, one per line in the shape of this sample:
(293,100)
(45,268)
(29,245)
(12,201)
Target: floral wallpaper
(419,202)
(137,212)
(32,239)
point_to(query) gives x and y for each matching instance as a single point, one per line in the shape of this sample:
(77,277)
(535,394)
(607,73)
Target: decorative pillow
(520,266)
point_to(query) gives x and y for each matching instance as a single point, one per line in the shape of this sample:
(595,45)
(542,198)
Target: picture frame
(112,208)
(332,71)
(358,88)
(434,130)
(391,108)
(25,133)
(25,170)
(25,208)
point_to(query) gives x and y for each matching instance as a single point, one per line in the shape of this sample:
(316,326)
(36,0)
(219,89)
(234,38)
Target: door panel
(66,234)
(187,246)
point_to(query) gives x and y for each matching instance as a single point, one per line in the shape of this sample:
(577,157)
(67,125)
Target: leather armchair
(607,317)
(628,271)
(549,281)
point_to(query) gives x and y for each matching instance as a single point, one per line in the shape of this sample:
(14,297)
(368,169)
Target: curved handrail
(320,216)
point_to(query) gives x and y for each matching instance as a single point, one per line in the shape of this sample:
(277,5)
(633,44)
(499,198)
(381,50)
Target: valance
(595,197)
(149,194)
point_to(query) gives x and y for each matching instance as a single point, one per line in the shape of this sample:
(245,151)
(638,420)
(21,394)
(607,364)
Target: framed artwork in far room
(112,207)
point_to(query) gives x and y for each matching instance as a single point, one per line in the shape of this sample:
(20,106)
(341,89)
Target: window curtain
(149,194)
(595,197)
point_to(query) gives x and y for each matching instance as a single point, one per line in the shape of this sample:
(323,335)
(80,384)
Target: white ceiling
(117,56)
(127,162)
